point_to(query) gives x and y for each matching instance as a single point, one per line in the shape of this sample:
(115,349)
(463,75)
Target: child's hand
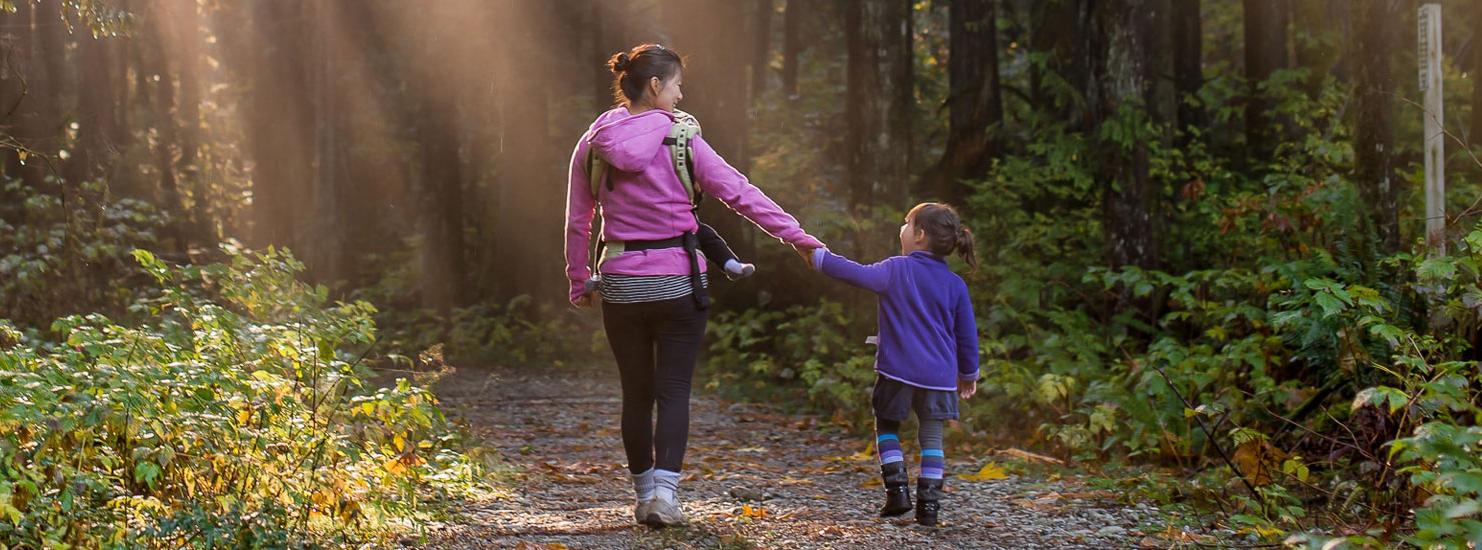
(585,300)
(806,254)
(966,390)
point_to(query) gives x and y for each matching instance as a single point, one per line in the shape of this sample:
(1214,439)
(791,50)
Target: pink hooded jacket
(648,202)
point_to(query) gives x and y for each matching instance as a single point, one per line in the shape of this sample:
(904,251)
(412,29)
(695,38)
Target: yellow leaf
(400,442)
(749,511)
(243,416)
(394,466)
(988,472)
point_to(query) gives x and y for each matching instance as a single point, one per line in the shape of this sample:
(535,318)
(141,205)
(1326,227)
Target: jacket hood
(630,142)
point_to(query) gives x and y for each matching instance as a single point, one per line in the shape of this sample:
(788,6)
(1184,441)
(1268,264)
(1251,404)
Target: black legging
(675,328)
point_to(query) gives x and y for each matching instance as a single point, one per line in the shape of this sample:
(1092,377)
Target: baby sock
(737,268)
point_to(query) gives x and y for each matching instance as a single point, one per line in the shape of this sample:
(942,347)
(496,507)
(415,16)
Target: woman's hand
(967,388)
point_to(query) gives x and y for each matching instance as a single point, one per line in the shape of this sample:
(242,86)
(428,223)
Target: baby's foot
(737,270)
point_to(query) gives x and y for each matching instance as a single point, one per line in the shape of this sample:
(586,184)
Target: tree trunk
(1375,37)
(1475,136)
(1188,72)
(1060,32)
(95,110)
(974,102)
(877,45)
(160,93)
(1122,85)
(761,42)
(1265,53)
(325,252)
(440,170)
(903,105)
(18,106)
(485,122)
(188,45)
(17,102)
(792,44)
(1320,31)
(280,126)
(610,34)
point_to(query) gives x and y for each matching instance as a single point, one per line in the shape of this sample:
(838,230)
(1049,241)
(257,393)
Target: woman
(652,291)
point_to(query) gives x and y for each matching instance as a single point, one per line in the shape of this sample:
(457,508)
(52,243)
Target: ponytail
(965,247)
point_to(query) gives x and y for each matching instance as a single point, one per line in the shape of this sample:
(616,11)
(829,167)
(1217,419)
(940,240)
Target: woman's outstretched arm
(722,181)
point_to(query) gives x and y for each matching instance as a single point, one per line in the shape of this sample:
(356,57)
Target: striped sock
(888,442)
(933,460)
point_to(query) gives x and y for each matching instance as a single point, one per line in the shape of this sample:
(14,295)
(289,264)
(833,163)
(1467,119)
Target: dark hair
(944,230)
(632,69)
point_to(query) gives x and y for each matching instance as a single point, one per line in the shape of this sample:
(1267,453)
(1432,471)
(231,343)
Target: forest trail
(754,478)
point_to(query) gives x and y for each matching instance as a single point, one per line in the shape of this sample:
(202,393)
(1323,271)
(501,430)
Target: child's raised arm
(874,277)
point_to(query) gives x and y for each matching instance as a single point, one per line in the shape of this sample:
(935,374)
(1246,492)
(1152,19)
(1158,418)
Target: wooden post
(1429,21)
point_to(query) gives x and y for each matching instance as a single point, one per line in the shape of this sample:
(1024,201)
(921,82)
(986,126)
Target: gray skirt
(894,400)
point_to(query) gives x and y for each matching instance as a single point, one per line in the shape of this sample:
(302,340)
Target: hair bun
(619,62)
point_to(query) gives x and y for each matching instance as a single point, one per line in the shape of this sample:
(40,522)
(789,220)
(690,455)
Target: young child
(928,347)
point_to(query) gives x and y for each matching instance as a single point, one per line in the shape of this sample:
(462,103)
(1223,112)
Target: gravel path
(754,479)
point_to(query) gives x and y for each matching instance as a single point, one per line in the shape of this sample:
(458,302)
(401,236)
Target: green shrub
(240,415)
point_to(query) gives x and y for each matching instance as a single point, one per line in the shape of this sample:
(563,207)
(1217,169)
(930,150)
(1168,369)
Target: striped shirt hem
(630,289)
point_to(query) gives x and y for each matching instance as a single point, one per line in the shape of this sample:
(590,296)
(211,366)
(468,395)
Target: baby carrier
(685,128)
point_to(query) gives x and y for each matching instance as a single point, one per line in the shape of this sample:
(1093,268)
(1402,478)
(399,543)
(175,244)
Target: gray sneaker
(663,513)
(641,510)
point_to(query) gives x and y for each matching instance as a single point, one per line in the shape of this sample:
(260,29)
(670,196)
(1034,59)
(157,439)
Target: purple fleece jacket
(928,336)
(647,200)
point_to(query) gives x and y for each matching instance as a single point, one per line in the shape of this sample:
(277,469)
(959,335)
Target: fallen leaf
(989,472)
(754,512)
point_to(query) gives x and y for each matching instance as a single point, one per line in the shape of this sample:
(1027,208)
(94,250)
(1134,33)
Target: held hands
(806,254)
(966,389)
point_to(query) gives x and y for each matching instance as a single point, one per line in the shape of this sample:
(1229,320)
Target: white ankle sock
(666,484)
(643,485)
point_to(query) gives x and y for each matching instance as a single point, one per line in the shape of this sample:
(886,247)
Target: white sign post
(1429,21)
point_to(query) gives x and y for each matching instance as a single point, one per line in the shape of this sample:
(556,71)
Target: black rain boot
(897,489)
(928,501)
